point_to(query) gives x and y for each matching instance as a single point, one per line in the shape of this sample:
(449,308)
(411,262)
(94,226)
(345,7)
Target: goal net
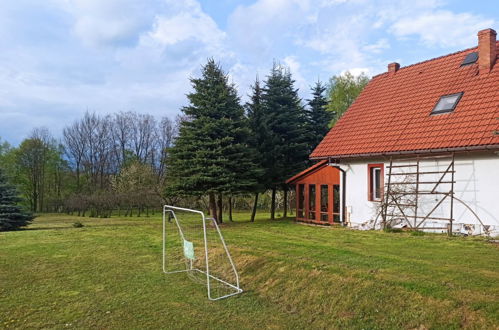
(193,244)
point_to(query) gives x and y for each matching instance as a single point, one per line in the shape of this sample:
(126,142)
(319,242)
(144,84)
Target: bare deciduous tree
(101,148)
(75,146)
(121,131)
(97,135)
(166,134)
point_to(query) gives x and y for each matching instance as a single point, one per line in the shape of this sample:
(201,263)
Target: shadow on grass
(93,225)
(241,222)
(133,222)
(47,228)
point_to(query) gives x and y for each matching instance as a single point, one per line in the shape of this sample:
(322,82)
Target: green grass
(107,274)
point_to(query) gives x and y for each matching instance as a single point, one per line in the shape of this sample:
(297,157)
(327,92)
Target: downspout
(343,192)
(343,195)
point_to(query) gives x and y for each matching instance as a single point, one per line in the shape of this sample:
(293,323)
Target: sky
(60,58)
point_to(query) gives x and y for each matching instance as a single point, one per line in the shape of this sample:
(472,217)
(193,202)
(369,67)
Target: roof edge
(412,152)
(431,59)
(308,170)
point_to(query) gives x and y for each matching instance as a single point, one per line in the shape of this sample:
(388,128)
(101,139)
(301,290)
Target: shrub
(392,230)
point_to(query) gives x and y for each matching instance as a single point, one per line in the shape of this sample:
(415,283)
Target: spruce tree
(259,134)
(12,216)
(211,153)
(286,146)
(319,117)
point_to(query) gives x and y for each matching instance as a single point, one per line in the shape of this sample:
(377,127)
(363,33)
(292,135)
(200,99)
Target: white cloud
(188,24)
(260,29)
(153,54)
(60,57)
(109,22)
(243,75)
(295,67)
(357,71)
(378,46)
(442,28)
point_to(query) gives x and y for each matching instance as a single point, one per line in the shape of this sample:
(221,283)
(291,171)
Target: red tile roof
(392,114)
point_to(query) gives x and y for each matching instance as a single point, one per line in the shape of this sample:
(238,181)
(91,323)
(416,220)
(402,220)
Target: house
(419,148)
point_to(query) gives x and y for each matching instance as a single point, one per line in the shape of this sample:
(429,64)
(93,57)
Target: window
(324,203)
(311,202)
(447,103)
(375,174)
(336,203)
(301,200)
(470,59)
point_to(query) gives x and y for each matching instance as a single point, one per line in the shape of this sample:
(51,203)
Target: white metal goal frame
(189,266)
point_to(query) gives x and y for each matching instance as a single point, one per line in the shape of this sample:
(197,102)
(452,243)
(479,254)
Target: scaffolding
(409,182)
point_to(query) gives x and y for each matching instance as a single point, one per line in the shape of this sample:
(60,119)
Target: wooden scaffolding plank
(407,165)
(425,182)
(421,217)
(420,173)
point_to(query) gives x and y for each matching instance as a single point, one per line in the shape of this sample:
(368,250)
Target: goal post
(193,244)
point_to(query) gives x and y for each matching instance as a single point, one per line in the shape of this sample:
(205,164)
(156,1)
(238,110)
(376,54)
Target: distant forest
(217,155)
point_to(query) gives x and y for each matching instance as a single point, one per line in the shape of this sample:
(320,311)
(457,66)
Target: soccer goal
(193,244)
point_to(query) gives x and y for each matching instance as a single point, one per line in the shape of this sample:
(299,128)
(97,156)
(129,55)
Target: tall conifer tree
(212,154)
(286,144)
(318,115)
(12,216)
(259,134)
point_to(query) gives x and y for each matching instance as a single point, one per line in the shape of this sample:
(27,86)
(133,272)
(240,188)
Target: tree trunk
(272,204)
(220,208)
(36,198)
(78,177)
(230,209)
(253,212)
(285,213)
(213,205)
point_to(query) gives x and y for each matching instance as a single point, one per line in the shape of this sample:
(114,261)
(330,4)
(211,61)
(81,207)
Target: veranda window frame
(301,202)
(321,199)
(312,202)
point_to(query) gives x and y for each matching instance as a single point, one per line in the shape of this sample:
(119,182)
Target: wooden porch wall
(326,175)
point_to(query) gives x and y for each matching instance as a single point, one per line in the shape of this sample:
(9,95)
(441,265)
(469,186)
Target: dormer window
(447,103)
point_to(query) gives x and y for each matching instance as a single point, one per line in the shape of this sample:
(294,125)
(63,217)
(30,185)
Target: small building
(318,194)
(419,149)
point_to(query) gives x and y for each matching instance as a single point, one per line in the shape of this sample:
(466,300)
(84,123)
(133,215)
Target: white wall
(477,184)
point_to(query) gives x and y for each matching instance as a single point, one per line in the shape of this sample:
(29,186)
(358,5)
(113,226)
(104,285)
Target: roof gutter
(412,152)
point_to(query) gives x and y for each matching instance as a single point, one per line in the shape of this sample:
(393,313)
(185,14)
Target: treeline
(219,154)
(101,163)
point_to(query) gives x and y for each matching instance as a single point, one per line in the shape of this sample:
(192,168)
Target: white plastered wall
(477,184)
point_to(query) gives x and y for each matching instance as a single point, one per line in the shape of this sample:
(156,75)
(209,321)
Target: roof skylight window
(447,103)
(470,59)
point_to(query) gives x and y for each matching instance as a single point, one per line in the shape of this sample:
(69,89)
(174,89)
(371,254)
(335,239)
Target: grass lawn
(108,275)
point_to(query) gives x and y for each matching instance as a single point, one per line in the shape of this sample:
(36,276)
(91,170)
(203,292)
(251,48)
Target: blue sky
(60,58)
